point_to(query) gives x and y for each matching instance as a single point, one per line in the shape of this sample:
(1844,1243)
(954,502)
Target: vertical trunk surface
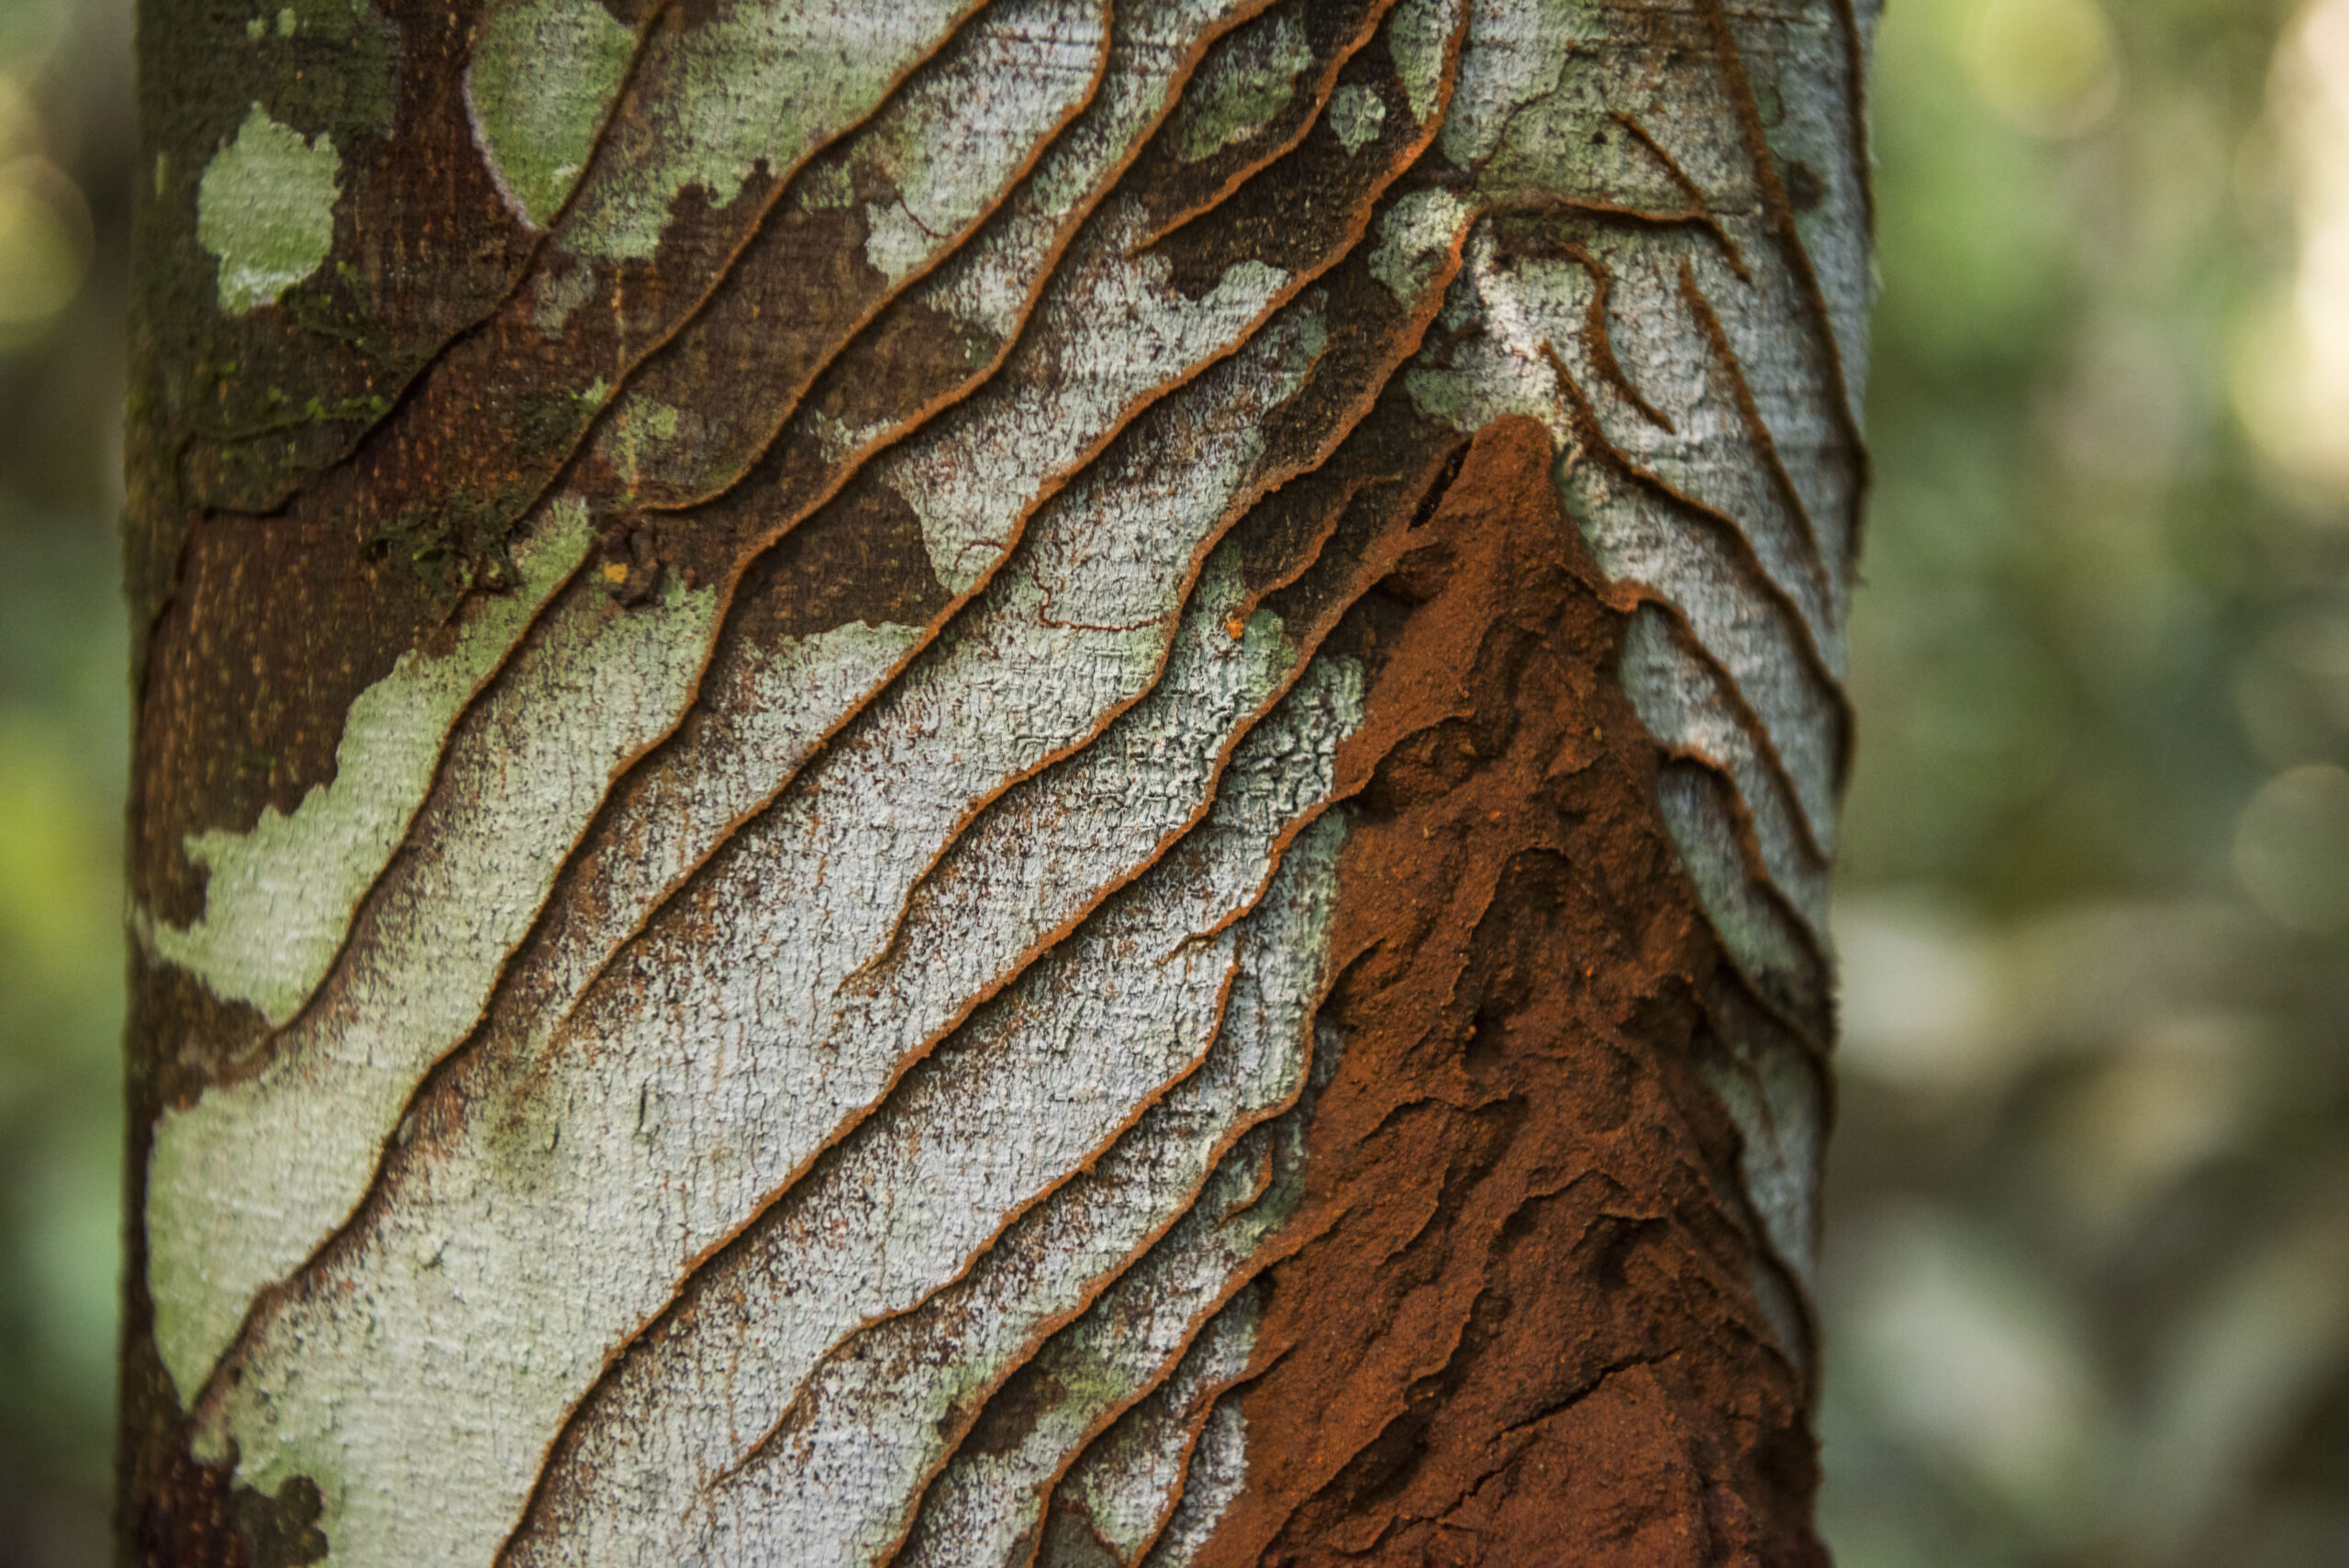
(1029,781)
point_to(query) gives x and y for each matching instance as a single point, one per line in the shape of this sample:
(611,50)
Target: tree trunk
(954,783)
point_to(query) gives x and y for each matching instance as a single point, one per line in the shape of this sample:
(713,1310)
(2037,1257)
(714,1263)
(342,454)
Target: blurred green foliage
(2087,1289)
(65,157)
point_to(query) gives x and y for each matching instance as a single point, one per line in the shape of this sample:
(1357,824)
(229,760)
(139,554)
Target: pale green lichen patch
(641,428)
(1417,36)
(265,207)
(828,188)
(280,897)
(245,1183)
(1244,85)
(1515,55)
(560,292)
(1413,238)
(1355,114)
(762,85)
(1501,371)
(541,76)
(1482,383)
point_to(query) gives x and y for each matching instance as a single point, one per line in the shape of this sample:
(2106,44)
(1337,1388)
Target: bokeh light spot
(2047,66)
(2291,850)
(45,240)
(2291,354)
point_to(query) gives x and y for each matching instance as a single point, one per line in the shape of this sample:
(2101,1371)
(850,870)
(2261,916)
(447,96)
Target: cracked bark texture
(995,781)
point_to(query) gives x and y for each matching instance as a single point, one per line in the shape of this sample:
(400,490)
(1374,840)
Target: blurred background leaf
(2086,1284)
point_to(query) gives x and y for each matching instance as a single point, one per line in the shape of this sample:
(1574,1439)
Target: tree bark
(956,782)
